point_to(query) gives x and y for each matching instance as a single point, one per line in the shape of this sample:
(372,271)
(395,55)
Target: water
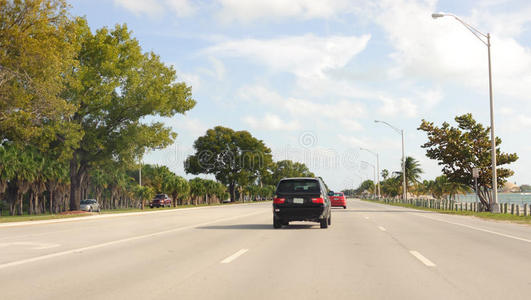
(516,198)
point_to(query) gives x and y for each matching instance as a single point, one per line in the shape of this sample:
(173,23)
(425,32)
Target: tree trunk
(232,191)
(77,176)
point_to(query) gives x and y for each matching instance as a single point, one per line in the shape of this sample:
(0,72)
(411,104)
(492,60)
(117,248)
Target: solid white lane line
(134,238)
(234,256)
(477,228)
(31,245)
(423,259)
(467,226)
(382,228)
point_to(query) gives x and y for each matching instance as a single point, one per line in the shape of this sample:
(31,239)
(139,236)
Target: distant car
(90,205)
(301,199)
(338,200)
(160,200)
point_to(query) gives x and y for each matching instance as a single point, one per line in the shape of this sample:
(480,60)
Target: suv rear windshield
(298,186)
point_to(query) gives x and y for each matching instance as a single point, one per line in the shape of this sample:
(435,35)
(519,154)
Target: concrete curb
(106,216)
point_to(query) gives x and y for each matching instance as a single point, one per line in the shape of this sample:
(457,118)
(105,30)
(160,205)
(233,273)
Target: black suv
(301,199)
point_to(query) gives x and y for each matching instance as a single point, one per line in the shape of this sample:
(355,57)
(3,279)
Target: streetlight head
(438,15)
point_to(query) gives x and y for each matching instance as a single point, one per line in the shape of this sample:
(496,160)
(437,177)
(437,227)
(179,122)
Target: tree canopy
(460,149)
(285,169)
(114,87)
(37,50)
(236,158)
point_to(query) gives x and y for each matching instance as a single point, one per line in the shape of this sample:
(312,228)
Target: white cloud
(139,7)
(246,11)
(191,126)
(356,142)
(430,97)
(517,123)
(180,8)
(507,23)
(217,69)
(443,49)
(394,107)
(271,122)
(340,112)
(190,79)
(301,55)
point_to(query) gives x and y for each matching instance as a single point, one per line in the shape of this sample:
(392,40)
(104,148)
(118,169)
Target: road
(371,251)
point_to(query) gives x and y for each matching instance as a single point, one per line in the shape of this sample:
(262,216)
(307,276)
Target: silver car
(90,205)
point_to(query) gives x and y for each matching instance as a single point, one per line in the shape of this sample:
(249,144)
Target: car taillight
(279,200)
(318,200)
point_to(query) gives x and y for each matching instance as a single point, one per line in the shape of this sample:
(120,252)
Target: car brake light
(279,200)
(318,200)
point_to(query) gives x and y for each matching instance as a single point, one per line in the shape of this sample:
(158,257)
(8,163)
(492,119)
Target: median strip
(234,256)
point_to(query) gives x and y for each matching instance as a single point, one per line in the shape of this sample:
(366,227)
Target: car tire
(276,223)
(330,220)
(90,209)
(345,207)
(324,223)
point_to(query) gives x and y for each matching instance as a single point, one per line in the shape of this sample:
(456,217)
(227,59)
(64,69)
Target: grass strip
(482,215)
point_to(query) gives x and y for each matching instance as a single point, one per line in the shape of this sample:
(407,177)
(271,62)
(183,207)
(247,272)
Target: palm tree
(456,188)
(413,171)
(442,187)
(144,193)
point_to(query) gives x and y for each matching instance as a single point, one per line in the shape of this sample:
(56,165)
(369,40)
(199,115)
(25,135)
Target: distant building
(510,187)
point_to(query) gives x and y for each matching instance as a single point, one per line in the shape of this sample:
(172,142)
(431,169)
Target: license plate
(298,200)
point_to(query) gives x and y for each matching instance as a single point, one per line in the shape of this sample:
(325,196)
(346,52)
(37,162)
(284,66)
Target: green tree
(413,171)
(178,188)
(114,88)
(391,186)
(385,174)
(367,185)
(197,189)
(37,50)
(236,158)
(144,193)
(460,149)
(285,169)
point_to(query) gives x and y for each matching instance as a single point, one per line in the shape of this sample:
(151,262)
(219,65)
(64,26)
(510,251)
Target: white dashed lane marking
(234,256)
(423,259)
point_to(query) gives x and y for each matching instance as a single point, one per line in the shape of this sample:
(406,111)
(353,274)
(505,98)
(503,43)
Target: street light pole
(494,205)
(374,173)
(377,167)
(400,131)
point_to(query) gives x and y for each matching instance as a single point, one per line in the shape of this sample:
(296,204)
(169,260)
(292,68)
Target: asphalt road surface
(371,251)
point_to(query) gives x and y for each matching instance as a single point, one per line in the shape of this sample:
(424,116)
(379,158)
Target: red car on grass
(338,200)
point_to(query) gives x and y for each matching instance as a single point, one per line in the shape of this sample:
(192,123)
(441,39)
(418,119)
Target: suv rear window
(298,186)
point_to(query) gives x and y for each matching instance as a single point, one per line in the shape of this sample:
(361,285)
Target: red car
(338,200)
(161,200)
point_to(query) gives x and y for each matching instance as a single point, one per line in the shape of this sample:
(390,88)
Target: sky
(309,77)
